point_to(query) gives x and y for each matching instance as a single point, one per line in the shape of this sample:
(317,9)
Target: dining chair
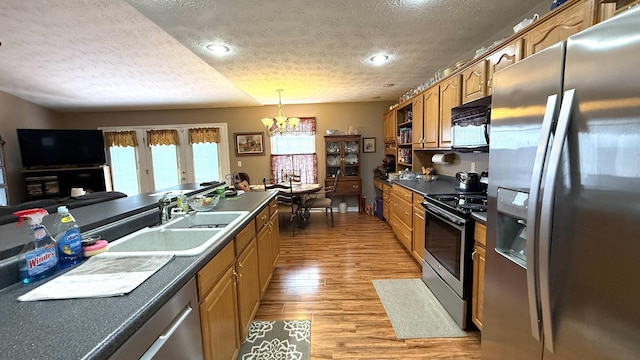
(325,203)
(286,203)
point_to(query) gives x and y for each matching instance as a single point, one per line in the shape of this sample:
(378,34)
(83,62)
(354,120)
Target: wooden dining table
(298,192)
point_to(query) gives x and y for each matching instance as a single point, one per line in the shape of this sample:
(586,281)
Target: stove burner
(459,204)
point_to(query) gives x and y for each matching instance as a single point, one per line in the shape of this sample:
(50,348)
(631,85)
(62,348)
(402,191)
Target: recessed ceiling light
(379,59)
(218,49)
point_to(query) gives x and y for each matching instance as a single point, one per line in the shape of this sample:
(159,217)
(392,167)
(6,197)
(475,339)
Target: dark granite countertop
(95,328)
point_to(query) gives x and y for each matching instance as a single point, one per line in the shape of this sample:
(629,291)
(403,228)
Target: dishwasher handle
(157,345)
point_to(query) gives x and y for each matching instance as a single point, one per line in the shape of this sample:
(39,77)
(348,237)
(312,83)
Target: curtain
(204,135)
(305,165)
(120,138)
(162,137)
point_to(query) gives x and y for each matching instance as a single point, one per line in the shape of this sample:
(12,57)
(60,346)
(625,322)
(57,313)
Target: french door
(146,168)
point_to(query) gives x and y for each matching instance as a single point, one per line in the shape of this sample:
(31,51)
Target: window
(296,153)
(177,154)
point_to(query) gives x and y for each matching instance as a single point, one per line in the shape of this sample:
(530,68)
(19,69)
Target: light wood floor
(324,274)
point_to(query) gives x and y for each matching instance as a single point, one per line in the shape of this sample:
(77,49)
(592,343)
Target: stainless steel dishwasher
(172,333)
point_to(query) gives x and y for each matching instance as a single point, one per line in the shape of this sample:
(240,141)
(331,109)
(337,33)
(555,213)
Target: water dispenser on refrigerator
(511,229)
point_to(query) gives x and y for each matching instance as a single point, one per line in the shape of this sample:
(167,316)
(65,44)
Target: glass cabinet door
(351,158)
(334,157)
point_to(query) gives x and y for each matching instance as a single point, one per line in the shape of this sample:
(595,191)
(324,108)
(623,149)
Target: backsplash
(464,162)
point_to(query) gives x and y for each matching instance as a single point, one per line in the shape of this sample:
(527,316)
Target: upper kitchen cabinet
(418,119)
(507,55)
(390,126)
(431,114)
(567,20)
(473,82)
(450,97)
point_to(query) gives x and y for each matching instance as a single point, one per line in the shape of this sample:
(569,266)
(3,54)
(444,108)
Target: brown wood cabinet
(431,113)
(507,55)
(450,97)
(418,228)
(386,201)
(567,20)
(477,294)
(248,286)
(218,298)
(402,215)
(473,82)
(390,126)
(343,153)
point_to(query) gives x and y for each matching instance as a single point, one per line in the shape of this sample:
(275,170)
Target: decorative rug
(277,340)
(414,311)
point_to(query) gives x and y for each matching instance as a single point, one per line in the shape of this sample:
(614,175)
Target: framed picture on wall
(369,145)
(249,143)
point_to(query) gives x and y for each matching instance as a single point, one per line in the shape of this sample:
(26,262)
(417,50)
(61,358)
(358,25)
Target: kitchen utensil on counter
(468,181)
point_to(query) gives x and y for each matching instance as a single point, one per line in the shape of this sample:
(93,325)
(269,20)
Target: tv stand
(57,183)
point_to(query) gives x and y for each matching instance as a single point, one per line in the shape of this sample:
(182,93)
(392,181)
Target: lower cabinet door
(219,319)
(275,238)
(248,286)
(265,260)
(477,294)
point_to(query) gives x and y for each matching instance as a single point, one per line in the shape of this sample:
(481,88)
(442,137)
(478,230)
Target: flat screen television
(49,148)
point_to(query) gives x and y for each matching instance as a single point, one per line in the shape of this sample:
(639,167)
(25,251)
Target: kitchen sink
(187,235)
(207,220)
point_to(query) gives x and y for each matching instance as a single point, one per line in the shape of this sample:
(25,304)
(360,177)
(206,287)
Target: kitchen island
(95,328)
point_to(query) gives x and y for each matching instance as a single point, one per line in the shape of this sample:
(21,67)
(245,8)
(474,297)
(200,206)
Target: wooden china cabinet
(342,152)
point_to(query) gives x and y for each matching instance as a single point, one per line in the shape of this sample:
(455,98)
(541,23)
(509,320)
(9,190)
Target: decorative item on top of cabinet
(450,97)
(477,294)
(343,153)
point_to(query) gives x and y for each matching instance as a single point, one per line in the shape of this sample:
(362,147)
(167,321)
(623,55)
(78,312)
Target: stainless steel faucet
(163,205)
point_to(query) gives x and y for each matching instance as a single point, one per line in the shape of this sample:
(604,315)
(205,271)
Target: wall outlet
(240,163)
(473,167)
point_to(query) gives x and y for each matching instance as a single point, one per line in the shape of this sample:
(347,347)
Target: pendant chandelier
(283,124)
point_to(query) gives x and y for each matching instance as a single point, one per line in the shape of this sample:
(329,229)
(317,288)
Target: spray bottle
(39,257)
(67,236)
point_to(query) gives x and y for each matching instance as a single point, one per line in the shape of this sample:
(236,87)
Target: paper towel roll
(442,158)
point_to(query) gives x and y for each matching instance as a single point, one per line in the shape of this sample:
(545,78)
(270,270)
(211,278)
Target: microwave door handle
(546,214)
(486,133)
(532,213)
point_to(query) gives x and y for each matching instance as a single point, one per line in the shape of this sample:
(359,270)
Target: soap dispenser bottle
(39,257)
(68,239)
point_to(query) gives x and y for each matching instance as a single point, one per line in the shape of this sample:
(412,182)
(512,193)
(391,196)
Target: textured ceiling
(90,55)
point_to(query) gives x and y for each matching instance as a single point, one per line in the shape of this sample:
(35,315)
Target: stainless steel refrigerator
(562,274)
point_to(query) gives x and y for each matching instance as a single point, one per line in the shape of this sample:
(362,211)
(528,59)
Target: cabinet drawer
(480,233)
(273,206)
(417,200)
(404,194)
(402,209)
(378,185)
(214,269)
(403,232)
(245,235)
(262,217)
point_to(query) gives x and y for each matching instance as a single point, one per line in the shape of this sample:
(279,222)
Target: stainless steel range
(448,243)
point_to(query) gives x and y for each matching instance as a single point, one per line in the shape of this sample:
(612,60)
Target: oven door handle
(448,218)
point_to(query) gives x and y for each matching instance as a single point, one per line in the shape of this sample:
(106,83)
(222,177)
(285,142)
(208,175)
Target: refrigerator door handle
(546,214)
(532,213)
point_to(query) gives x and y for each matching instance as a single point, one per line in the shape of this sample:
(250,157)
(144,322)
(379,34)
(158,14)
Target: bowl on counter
(203,202)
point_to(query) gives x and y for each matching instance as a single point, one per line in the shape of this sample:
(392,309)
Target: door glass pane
(165,166)
(205,162)
(3,196)
(124,171)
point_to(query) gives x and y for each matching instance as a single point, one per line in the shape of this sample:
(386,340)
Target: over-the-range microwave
(470,126)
